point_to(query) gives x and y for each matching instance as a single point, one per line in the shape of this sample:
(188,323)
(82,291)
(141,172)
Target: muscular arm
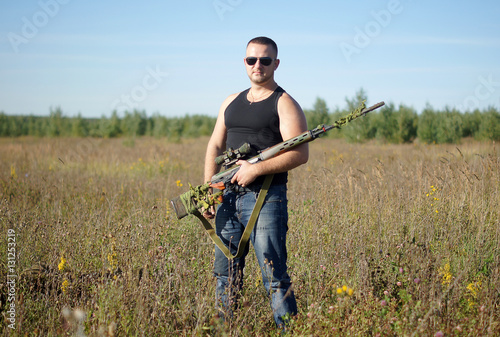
(292,123)
(217,143)
(216,146)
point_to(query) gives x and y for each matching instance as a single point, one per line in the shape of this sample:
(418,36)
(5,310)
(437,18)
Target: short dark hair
(265,41)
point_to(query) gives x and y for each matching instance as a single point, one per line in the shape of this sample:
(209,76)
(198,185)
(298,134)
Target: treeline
(132,124)
(403,124)
(389,124)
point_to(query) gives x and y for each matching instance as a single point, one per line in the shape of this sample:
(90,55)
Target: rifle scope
(231,156)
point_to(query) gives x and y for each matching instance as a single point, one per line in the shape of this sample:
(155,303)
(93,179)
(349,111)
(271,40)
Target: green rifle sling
(248,229)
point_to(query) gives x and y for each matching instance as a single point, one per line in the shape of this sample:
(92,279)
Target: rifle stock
(198,197)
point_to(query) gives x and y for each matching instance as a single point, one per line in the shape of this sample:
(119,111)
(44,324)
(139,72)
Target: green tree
(35,126)
(9,126)
(176,129)
(363,129)
(79,126)
(160,126)
(134,123)
(449,127)
(472,121)
(109,128)
(318,115)
(55,124)
(407,121)
(427,130)
(15,126)
(489,129)
(386,124)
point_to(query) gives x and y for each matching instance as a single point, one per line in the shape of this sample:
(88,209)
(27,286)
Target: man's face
(259,73)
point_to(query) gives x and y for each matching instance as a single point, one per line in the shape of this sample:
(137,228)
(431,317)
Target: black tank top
(256,123)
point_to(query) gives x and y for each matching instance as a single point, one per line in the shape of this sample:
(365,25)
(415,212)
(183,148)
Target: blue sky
(185,57)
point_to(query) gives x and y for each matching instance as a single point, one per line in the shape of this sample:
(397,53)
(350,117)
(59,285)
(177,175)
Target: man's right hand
(209,213)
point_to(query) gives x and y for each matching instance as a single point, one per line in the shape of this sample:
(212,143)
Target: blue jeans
(269,241)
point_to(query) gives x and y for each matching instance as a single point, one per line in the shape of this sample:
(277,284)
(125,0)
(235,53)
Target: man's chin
(259,79)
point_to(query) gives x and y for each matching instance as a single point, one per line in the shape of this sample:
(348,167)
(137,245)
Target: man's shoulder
(232,97)
(229,99)
(286,100)
(286,96)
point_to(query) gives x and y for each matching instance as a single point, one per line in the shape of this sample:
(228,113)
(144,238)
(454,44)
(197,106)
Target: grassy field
(384,240)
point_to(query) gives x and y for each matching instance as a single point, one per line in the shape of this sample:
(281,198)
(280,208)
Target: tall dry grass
(383,240)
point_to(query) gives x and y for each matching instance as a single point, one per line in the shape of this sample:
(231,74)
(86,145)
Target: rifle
(197,198)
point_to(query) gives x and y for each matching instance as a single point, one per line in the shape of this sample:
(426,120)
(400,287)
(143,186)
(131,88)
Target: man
(262,115)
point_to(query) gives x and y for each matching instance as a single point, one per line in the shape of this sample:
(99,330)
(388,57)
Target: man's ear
(276,63)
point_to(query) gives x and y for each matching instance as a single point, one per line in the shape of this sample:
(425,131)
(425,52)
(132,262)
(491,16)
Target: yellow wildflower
(446,274)
(113,257)
(179,184)
(473,289)
(345,290)
(13,172)
(65,285)
(61,264)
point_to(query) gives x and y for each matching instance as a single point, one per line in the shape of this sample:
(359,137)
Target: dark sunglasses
(265,61)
